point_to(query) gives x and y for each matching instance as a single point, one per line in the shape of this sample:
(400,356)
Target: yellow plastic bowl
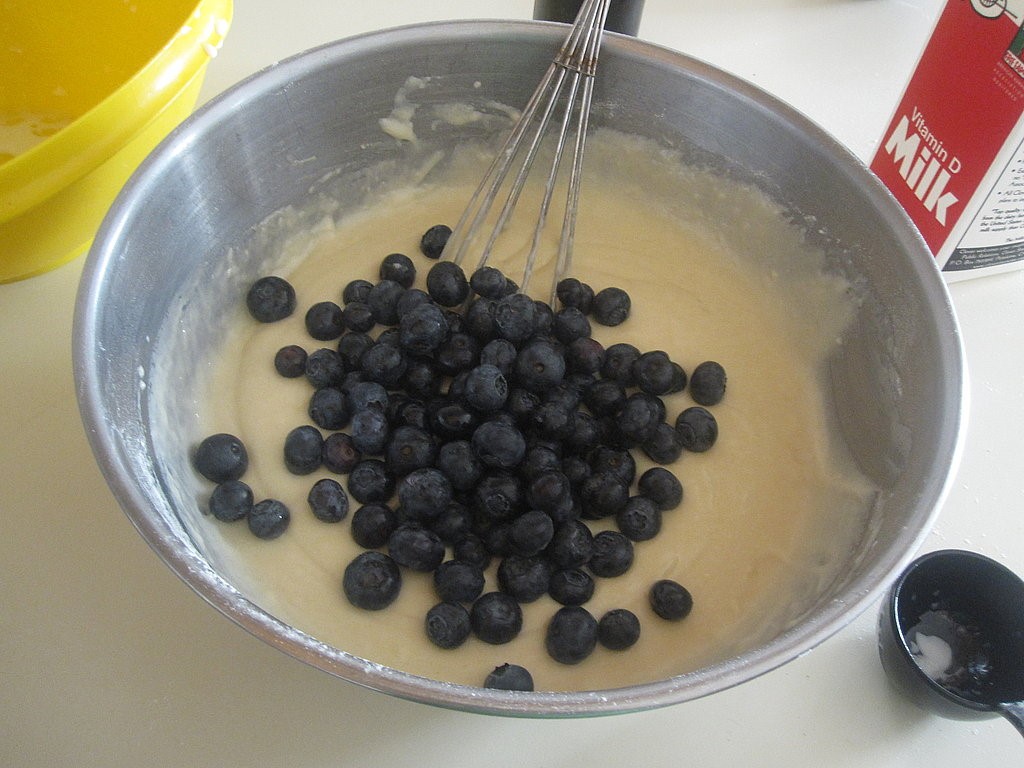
(89,88)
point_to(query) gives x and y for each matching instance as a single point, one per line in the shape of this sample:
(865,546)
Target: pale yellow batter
(714,273)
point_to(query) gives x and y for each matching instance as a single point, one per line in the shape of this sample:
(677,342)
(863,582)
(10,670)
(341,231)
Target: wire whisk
(570,73)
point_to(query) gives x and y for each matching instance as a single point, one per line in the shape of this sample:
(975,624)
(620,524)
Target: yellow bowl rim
(57,162)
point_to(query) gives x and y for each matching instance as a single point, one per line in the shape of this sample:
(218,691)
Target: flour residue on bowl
(399,123)
(22,131)
(715,271)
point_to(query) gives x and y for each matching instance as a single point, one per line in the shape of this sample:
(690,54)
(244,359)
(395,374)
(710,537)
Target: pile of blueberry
(478,421)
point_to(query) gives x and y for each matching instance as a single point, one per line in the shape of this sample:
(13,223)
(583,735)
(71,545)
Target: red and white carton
(953,154)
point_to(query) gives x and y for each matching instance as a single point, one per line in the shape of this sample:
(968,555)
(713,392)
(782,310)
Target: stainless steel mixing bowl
(190,226)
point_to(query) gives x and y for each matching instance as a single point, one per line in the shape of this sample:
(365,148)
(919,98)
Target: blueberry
(472,550)
(515,317)
(383,301)
(571,635)
(538,460)
(697,429)
(539,366)
(372,524)
(454,320)
(369,481)
(509,677)
(572,293)
(384,364)
(457,581)
(339,454)
(570,324)
(389,335)
(511,286)
(398,267)
(618,363)
(567,393)
(498,445)
(488,282)
(423,329)
(553,421)
(270,299)
(324,321)
(221,457)
(447,284)
(369,431)
(231,500)
(357,317)
(664,446)
(611,306)
(328,501)
(268,519)
(531,532)
(409,449)
(524,578)
(433,241)
(351,347)
(501,353)
(479,319)
(421,380)
(707,383)
(407,412)
(459,353)
(497,537)
(584,355)
(449,420)
(411,299)
(576,468)
(521,404)
(356,290)
(654,372)
(679,379)
(571,546)
(486,388)
(415,547)
(453,524)
(303,448)
(571,587)
(662,487)
(613,554)
(619,463)
(496,618)
(639,418)
(424,493)
(549,491)
(328,408)
(603,494)
(447,625)
(498,498)
(458,461)
(372,581)
(618,629)
(324,368)
(543,319)
(605,397)
(290,361)
(670,600)
(640,519)
(366,395)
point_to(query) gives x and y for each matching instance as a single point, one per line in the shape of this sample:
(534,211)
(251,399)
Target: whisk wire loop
(572,72)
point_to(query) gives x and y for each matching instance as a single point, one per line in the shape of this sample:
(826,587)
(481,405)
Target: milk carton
(953,153)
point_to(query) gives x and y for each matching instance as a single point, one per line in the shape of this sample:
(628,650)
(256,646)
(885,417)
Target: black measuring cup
(951,636)
(623,15)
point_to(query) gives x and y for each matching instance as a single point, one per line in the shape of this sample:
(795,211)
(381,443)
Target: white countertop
(107,659)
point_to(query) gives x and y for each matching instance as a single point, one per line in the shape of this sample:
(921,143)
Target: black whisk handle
(623,15)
